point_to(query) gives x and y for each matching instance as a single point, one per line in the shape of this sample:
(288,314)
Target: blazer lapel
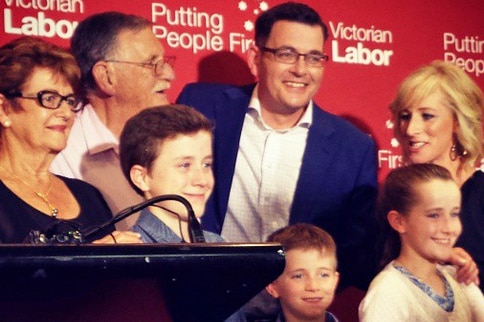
(230,114)
(316,164)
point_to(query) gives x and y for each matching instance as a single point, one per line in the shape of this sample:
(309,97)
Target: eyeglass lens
(54,100)
(170,60)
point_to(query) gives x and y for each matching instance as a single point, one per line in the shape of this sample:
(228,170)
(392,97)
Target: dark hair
(399,192)
(289,11)
(144,133)
(304,236)
(21,56)
(96,37)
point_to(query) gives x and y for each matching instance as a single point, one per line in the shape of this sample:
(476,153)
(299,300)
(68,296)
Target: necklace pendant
(53,210)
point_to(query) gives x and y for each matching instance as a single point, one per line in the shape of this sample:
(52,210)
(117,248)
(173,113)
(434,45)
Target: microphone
(196,233)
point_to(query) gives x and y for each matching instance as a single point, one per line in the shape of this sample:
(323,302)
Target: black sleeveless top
(18,219)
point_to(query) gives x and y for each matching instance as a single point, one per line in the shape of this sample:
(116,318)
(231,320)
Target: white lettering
(195,42)
(361,55)
(71,6)
(187,17)
(385,157)
(466,44)
(472,66)
(39,26)
(340,31)
(8,27)
(238,40)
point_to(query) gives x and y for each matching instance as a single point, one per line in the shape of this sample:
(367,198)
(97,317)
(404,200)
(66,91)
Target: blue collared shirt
(153,230)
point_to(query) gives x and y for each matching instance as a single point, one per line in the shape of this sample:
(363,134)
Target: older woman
(38,82)
(437,114)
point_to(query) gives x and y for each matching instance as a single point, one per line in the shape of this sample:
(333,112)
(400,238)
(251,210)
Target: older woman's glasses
(52,100)
(290,56)
(157,67)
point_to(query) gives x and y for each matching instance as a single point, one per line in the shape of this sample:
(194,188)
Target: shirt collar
(155,229)
(98,137)
(255,110)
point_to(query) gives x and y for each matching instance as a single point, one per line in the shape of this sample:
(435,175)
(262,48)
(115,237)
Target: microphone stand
(196,233)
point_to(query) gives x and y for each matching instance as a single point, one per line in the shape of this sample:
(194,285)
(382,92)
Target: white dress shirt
(265,177)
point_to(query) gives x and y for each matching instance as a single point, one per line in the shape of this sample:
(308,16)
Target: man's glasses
(290,56)
(157,67)
(52,100)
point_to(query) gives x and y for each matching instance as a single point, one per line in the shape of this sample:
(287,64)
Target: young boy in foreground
(306,287)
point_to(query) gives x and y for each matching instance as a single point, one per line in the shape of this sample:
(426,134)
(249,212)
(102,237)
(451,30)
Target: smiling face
(307,285)
(431,227)
(286,89)
(183,167)
(33,126)
(138,85)
(426,130)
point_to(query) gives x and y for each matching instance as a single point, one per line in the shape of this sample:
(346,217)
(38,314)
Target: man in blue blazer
(279,158)
(337,179)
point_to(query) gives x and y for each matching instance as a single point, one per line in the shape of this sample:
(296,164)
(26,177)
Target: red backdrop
(373,45)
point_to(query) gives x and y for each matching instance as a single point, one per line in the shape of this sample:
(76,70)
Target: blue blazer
(337,183)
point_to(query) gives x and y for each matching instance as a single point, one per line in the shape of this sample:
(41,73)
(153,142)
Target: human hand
(120,237)
(467,271)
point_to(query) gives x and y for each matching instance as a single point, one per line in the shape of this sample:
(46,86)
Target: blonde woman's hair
(463,97)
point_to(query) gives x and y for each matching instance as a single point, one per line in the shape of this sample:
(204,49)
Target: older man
(124,70)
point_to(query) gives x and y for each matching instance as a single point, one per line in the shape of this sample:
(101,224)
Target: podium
(147,282)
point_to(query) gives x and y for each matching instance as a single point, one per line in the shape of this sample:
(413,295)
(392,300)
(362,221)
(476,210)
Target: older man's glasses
(157,66)
(290,56)
(52,100)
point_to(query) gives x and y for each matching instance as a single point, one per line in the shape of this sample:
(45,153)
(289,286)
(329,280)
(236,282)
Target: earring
(7,123)
(453,152)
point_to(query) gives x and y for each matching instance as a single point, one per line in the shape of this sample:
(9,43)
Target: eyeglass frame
(323,58)
(74,108)
(170,60)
